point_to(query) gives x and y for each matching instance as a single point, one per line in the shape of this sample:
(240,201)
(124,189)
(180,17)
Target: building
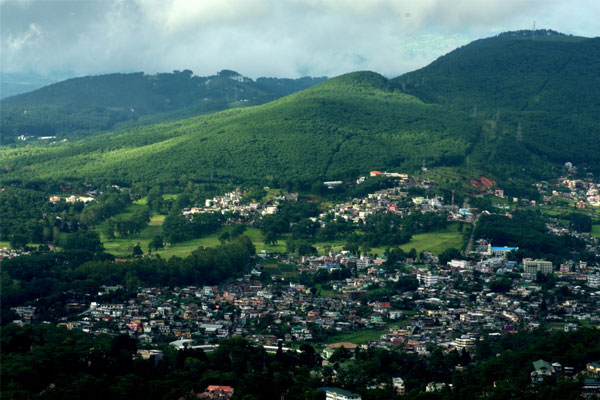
(217,392)
(399,385)
(339,394)
(458,264)
(500,251)
(331,348)
(534,266)
(593,280)
(465,342)
(593,368)
(427,279)
(542,370)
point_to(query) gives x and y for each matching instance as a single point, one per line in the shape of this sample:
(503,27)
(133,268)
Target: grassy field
(436,242)
(596,230)
(122,247)
(363,335)
(278,268)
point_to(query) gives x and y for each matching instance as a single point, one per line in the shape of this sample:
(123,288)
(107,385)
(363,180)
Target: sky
(277,38)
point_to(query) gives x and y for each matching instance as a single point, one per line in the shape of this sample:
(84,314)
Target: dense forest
(86,105)
(345,126)
(517,87)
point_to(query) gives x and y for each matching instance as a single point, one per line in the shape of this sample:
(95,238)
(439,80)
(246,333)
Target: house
(593,368)
(543,369)
(398,384)
(332,393)
(216,392)
(331,348)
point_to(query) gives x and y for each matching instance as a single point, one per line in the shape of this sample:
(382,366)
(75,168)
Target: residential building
(542,370)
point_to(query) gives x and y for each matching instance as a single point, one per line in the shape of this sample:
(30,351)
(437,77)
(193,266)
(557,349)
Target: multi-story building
(593,280)
(534,266)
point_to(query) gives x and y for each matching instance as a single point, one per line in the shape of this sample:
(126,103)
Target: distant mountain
(335,130)
(13,84)
(549,85)
(95,103)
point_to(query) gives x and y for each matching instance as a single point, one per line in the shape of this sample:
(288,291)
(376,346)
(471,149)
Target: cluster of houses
(584,193)
(443,310)
(235,204)
(6,253)
(71,199)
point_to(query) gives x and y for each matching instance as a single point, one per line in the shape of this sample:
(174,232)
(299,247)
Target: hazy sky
(284,38)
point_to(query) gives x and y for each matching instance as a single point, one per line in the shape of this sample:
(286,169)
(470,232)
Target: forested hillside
(543,92)
(338,129)
(80,106)
(507,106)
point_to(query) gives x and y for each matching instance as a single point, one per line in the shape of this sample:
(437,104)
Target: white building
(340,394)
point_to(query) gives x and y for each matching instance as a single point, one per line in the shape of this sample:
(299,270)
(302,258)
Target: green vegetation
(83,106)
(436,242)
(47,362)
(512,84)
(596,230)
(259,144)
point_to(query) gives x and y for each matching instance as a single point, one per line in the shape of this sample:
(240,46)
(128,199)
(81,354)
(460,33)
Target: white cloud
(263,37)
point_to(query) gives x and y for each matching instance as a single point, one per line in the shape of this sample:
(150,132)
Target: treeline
(106,205)
(28,216)
(377,229)
(178,228)
(47,362)
(82,106)
(527,230)
(128,225)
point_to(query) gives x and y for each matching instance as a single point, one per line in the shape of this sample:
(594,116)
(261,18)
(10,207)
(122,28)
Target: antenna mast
(533,32)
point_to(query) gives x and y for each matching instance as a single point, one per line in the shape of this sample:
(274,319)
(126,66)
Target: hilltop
(550,86)
(339,128)
(80,106)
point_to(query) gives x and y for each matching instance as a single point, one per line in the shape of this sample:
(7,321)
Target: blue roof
(505,248)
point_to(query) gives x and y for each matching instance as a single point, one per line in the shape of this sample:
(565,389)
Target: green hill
(550,86)
(80,106)
(507,106)
(338,129)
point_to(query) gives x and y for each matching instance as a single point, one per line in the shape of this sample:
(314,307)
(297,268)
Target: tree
(84,240)
(18,241)
(270,238)
(223,237)
(137,250)
(156,243)
(109,231)
(449,254)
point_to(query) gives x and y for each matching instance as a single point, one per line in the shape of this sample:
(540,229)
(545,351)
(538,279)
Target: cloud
(262,37)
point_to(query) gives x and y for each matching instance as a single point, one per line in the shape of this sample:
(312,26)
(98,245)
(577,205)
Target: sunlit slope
(347,125)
